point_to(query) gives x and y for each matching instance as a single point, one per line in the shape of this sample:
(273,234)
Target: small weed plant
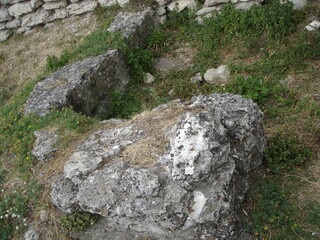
(77,222)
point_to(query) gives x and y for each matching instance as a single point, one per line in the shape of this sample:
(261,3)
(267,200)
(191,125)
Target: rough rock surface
(85,85)
(82,7)
(192,191)
(45,145)
(135,26)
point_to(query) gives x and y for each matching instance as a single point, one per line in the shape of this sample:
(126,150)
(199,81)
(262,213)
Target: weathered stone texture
(85,85)
(20,9)
(193,191)
(38,17)
(82,7)
(135,26)
(45,145)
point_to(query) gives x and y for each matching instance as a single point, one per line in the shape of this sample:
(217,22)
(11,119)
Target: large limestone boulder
(199,156)
(85,85)
(135,26)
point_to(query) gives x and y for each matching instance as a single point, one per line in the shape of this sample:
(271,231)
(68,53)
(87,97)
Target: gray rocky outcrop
(192,190)
(45,145)
(135,26)
(85,85)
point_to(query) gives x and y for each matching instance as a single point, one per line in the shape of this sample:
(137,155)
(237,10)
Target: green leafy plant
(259,90)
(285,154)
(77,222)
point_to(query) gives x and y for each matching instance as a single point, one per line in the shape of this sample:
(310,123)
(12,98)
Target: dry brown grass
(23,57)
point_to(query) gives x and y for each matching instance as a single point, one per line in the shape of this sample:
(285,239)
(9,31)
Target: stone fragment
(4,35)
(36,3)
(55,5)
(206,10)
(162,2)
(107,3)
(11,1)
(210,3)
(193,191)
(14,23)
(135,26)
(38,17)
(180,5)
(85,85)
(19,9)
(100,145)
(314,25)
(197,78)
(45,145)
(161,11)
(22,30)
(171,93)
(64,195)
(82,7)
(298,4)
(218,75)
(149,78)
(245,5)
(122,3)
(31,234)
(2,26)
(59,14)
(4,14)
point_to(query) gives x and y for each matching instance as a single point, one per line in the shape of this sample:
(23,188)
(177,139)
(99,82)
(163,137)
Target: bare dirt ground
(23,56)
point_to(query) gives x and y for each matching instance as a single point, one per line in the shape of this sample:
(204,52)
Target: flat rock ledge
(194,188)
(85,85)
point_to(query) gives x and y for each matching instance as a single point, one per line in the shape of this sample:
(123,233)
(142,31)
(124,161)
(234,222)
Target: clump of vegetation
(77,222)
(15,207)
(285,154)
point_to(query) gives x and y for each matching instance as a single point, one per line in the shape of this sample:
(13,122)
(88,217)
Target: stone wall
(21,15)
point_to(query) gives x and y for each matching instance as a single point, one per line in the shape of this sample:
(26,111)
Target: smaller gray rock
(45,145)
(4,35)
(298,4)
(107,3)
(197,78)
(148,78)
(14,23)
(314,25)
(4,14)
(244,5)
(36,3)
(31,234)
(218,75)
(210,3)
(171,93)
(55,5)
(206,10)
(82,7)
(135,26)
(122,3)
(36,18)
(161,11)
(181,5)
